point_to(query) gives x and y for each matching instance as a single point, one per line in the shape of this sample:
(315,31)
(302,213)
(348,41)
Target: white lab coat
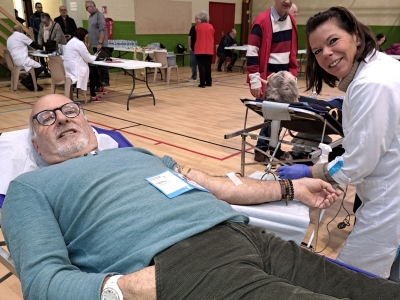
(371,126)
(17,44)
(76,58)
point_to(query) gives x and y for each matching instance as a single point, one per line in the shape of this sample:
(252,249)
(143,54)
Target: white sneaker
(192,80)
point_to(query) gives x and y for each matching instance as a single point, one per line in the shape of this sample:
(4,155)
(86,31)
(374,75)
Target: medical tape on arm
(232,176)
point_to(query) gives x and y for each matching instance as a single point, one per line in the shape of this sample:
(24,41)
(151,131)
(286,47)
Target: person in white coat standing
(76,60)
(344,50)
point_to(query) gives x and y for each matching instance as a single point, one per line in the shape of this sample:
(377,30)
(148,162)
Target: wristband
(287,190)
(101,43)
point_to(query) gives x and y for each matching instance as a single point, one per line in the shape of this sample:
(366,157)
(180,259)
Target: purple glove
(294,172)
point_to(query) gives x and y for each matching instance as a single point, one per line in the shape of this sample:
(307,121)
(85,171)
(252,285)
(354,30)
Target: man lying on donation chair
(119,224)
(18,155)
(282,87)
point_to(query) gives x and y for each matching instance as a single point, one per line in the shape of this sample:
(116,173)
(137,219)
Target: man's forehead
(49,102)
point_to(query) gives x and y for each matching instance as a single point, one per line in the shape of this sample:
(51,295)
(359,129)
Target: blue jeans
(264,144)
(193,64)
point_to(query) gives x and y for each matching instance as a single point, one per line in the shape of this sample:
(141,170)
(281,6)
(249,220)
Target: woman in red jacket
(204,48)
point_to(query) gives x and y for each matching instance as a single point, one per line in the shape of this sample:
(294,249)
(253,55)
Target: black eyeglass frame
(35,117)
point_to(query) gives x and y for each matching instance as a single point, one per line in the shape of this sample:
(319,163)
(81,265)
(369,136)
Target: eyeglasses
(87,7)
(63,10)
(49,117)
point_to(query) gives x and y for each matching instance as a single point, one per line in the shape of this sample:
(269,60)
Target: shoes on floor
(219,70)
(39,87)
(209,84)
(192,80)
(28,85)
(96,99)
(201,86)
(229,68)
(289,156)
(260,157)
(102,90)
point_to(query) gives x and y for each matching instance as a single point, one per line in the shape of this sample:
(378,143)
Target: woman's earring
(358,43)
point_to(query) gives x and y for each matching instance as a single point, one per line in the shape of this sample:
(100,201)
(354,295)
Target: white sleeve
(26,40)
(373,109)
(83,51)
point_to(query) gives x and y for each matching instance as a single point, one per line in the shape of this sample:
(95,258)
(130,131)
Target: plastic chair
(16,71)
(58,77)
(217,59)
(160,56)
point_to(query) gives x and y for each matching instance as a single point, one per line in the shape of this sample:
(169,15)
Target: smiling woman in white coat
(76,59)
(341,49)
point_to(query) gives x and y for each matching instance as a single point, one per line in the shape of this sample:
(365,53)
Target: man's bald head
(18,28)
(293,10)
(69,136)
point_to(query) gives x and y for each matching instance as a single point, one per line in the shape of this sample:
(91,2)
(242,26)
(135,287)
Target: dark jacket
(71,26)
(393,49)
(226,41)
(34,22)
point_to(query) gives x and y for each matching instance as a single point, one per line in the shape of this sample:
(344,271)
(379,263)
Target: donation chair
(17,71)
(294,117)
(18,156)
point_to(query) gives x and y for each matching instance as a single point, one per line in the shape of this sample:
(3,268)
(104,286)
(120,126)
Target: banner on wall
(104,9)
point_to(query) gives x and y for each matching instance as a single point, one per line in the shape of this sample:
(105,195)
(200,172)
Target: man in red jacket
(272,47)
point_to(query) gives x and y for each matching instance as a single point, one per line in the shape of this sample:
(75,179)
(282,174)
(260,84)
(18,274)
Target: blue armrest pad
(2,200)
(117,136)
(352,268)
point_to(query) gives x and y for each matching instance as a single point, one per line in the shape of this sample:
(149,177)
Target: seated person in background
(381,39)
(93,215)
(226,41)
(76,59)
(282,87)
(50,30)
(17,44)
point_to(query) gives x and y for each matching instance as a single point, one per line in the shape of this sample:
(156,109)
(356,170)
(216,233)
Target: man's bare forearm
(249,192)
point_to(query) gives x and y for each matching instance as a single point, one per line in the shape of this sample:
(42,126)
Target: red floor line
(171,145)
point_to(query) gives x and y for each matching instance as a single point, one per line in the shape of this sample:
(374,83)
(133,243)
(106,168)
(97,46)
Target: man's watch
(111,291)
(101,43)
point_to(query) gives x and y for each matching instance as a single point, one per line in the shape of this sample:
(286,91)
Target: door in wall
(28,11)
(222,18)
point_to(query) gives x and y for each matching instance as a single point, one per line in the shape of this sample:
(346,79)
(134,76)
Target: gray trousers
(239,261)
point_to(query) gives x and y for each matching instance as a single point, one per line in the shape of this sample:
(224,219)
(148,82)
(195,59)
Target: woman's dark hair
(379,36)
(345,20)
(80,33)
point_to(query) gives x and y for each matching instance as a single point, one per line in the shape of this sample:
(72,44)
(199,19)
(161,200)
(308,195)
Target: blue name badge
(173,184)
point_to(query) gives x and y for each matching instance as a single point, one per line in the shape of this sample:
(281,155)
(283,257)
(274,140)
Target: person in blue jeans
(191,41)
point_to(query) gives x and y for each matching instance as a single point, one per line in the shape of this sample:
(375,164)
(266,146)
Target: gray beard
(71,148)
(68,148)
